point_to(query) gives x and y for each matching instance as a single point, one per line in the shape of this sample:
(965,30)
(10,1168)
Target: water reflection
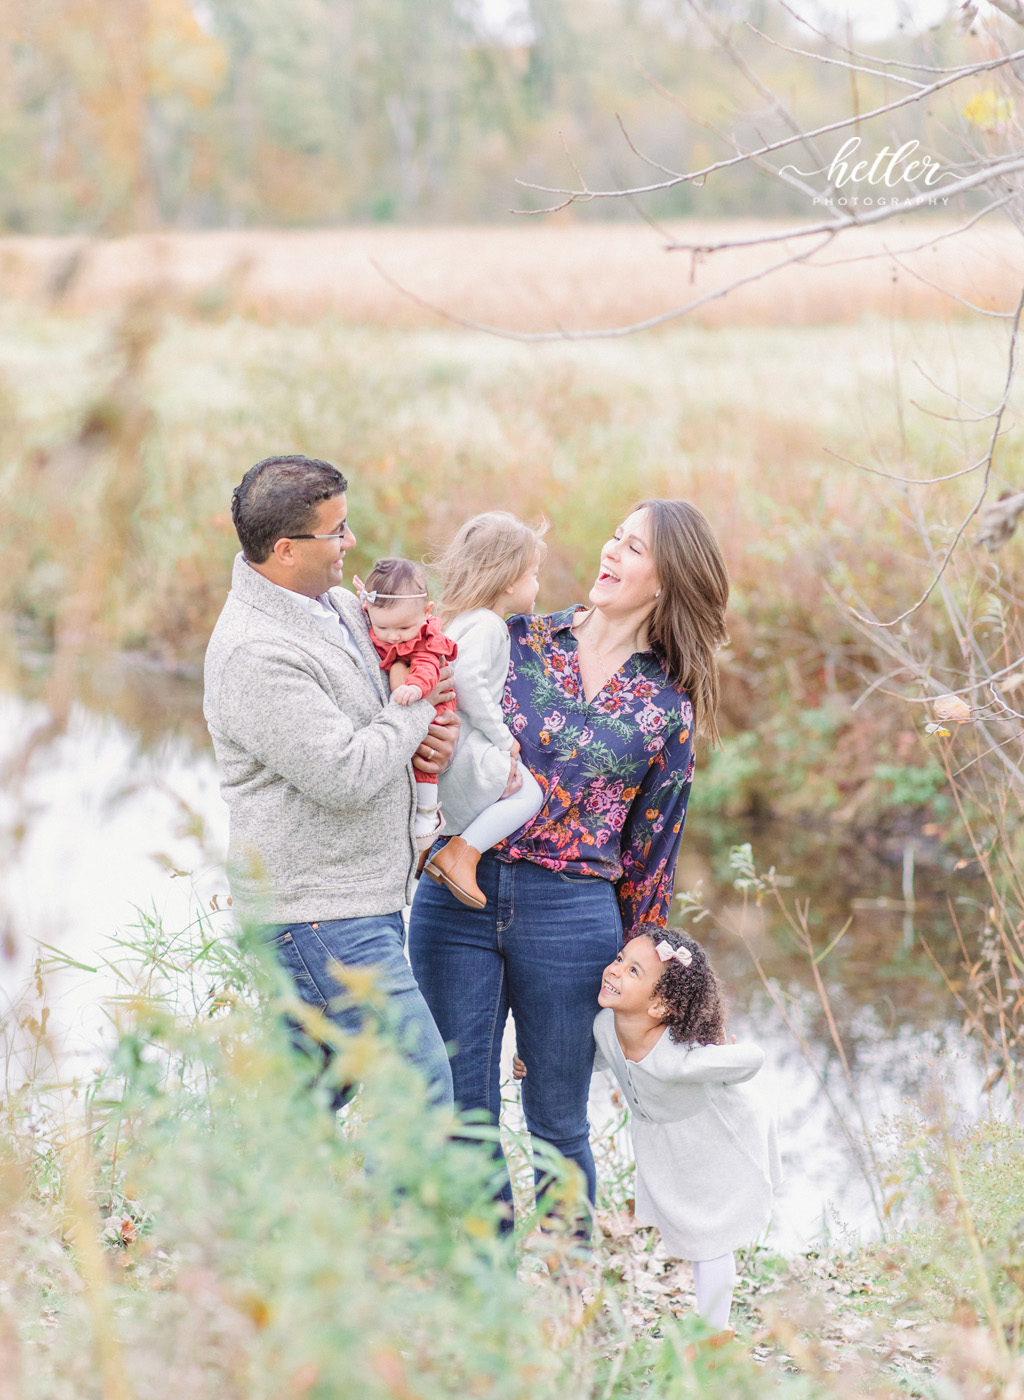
(102,819)
(96,827)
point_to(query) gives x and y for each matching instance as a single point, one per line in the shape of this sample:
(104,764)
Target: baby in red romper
(412,649)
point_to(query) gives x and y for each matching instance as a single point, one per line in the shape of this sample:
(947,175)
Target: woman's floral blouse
(615,773)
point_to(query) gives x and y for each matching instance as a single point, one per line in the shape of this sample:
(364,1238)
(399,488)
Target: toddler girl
(706,1155)
(488,572)
(412,649)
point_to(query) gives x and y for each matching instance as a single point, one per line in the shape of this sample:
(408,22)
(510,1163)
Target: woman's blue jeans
(305,951)
(538,948)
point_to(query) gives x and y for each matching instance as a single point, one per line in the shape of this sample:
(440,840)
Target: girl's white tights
(713,1281)
(426,809)
(506,815)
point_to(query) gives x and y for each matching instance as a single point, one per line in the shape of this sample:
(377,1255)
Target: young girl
(488,572)
(412,649)
(706,1154)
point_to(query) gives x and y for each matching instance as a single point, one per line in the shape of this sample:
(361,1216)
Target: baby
(412,649)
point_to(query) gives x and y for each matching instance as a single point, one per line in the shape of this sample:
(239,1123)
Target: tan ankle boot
(455,866)
(708,1344)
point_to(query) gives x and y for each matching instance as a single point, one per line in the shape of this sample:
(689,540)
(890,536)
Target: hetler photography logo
(884,174)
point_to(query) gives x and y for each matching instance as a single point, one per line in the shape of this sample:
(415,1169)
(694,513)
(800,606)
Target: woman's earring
(658,594)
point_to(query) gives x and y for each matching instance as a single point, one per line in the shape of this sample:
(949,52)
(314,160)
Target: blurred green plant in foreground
(191,1220)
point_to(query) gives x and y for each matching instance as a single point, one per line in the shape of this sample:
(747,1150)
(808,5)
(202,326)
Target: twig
(984,485)
(905,480)
(840,62)
(857,53)
(871,216)
(648,160)
(937,287)
(767,149)
(606,333)
(929,243)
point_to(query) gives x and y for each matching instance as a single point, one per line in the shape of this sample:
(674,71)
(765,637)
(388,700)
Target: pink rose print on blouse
(651,720)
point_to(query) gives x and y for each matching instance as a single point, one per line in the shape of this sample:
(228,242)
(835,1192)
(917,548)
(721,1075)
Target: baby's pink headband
(665,951)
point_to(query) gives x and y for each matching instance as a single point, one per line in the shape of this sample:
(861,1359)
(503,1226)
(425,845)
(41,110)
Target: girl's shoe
(708,1344)
(455,866)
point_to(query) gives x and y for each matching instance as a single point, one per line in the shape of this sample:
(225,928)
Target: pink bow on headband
(665,951)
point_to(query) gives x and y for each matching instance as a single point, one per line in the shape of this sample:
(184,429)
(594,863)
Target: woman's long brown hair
(687,626)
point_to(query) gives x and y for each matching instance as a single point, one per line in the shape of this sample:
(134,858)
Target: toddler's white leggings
(713,1281)
(506,815)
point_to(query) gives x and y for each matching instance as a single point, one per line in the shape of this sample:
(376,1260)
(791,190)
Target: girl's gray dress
(706,1152)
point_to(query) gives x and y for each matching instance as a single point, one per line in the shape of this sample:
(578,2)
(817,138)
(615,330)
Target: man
(314,761)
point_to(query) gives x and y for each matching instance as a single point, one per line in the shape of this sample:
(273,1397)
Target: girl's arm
(424,670)
(398,673)
(710,1064)
(483,654)
(653,830)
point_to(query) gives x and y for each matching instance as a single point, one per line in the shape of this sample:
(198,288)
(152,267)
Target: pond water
(121,818)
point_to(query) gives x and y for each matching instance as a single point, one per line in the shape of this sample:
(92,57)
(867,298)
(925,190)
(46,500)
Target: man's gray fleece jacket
(314,760)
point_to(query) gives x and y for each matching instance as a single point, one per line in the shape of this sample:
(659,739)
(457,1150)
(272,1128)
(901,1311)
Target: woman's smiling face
(627,580)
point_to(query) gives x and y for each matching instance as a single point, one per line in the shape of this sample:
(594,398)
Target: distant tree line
(126,114)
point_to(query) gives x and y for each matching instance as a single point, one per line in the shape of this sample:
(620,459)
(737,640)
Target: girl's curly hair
(691,995)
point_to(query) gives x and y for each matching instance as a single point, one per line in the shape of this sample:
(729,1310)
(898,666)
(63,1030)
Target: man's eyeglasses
(334,535)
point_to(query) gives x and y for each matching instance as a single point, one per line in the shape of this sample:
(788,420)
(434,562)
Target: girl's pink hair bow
(665,951)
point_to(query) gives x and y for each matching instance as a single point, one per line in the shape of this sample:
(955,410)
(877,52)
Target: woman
(605,702)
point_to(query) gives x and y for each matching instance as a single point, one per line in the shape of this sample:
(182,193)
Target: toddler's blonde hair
(487,555)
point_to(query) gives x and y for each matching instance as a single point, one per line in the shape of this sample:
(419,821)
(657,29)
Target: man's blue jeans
(539,948)
(305,952)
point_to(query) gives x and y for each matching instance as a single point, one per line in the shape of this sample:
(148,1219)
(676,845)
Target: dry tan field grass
(536,276)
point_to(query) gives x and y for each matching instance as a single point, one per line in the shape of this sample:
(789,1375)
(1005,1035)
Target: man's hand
(445,688)
(435,753)
(518,1068)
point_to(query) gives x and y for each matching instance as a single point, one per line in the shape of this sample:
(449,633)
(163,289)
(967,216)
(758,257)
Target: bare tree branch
(873,216)
(606,333)
(938,287)
(932,242)
(970,70)
(906,480)
(840,62)
(771,97)
(646,159)
(1012,9)
(857,53)
(1011,369)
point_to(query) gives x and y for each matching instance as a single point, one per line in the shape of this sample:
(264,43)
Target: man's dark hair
(277,498)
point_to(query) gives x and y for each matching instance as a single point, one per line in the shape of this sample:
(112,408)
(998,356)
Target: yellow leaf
(989,110)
